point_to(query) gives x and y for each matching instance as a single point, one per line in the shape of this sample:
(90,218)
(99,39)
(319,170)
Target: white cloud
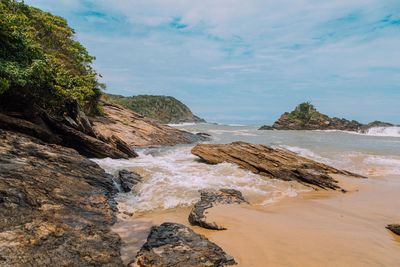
(253,51)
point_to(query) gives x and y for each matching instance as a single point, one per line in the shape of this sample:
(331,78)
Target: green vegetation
(165,109)
(305,112)
(40,60)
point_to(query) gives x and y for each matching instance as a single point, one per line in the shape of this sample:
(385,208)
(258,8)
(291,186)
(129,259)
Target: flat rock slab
(210,198)
(273,163)
(173,245)
(395,228)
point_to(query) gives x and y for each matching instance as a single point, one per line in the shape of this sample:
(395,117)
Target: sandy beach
(318,228)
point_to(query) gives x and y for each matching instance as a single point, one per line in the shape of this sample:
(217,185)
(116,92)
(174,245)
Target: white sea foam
(383,164)
(244,133)
(393,131)
(384,131)
(173,177)
(182,124)
(307,153)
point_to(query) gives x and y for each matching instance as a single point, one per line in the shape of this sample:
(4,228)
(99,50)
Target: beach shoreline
(319,228)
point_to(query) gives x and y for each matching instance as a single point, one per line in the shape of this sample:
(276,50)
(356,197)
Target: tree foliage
(165,109)
(40,59)
(304,111)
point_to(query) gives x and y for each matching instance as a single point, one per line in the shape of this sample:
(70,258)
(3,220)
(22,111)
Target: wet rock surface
(128,180)
(208,199)
(395,228)
(56,207)
(273,163)
(173,245)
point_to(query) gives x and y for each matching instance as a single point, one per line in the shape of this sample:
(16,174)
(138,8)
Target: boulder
(128,179)
(273,163)
(56,207)
(208,199)
(173,245)
(395,228)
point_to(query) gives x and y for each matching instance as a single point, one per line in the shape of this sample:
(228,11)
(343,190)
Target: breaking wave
(393,131)
(173,177)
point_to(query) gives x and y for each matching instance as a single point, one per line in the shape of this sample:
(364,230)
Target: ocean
(173,176)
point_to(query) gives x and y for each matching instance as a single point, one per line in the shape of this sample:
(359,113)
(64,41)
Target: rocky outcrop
(138,131)
(163,109)
(208,199)
(75,133)
(286,122)
(56,207)
(395,228)
(306,117)
(87,145)
(172,245)
(374,124)
(273,163)
(127,180)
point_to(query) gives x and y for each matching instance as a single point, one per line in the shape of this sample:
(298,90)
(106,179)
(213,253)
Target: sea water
(173,176)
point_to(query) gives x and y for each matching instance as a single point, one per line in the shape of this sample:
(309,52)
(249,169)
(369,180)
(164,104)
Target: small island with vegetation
(306,117)
(163,109)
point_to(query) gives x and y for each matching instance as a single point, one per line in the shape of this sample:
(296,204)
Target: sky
(246,61)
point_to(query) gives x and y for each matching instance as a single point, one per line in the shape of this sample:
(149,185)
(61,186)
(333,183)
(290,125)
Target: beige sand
(314,229)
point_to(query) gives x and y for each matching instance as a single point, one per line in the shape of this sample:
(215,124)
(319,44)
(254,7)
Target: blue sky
(236,61)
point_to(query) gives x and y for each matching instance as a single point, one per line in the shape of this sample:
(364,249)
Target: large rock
(273,163)
(56,207)
(87,145)
(138,131)
(128,180)
(210,198)
(53,131)
(173,245)
(28,128)
(395,228)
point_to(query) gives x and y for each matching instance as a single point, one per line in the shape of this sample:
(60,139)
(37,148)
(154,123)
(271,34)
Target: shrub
(40,60)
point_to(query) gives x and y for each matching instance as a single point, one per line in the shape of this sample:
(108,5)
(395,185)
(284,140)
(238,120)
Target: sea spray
(173,177)
(384,131)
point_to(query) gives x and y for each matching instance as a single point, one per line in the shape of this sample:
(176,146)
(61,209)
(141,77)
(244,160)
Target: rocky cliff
(136,130)
(164,109)
(306,117)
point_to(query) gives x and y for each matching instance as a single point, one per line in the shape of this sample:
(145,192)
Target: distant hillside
(165,109)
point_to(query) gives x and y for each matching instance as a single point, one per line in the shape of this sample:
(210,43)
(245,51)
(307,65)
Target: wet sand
(314,229)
